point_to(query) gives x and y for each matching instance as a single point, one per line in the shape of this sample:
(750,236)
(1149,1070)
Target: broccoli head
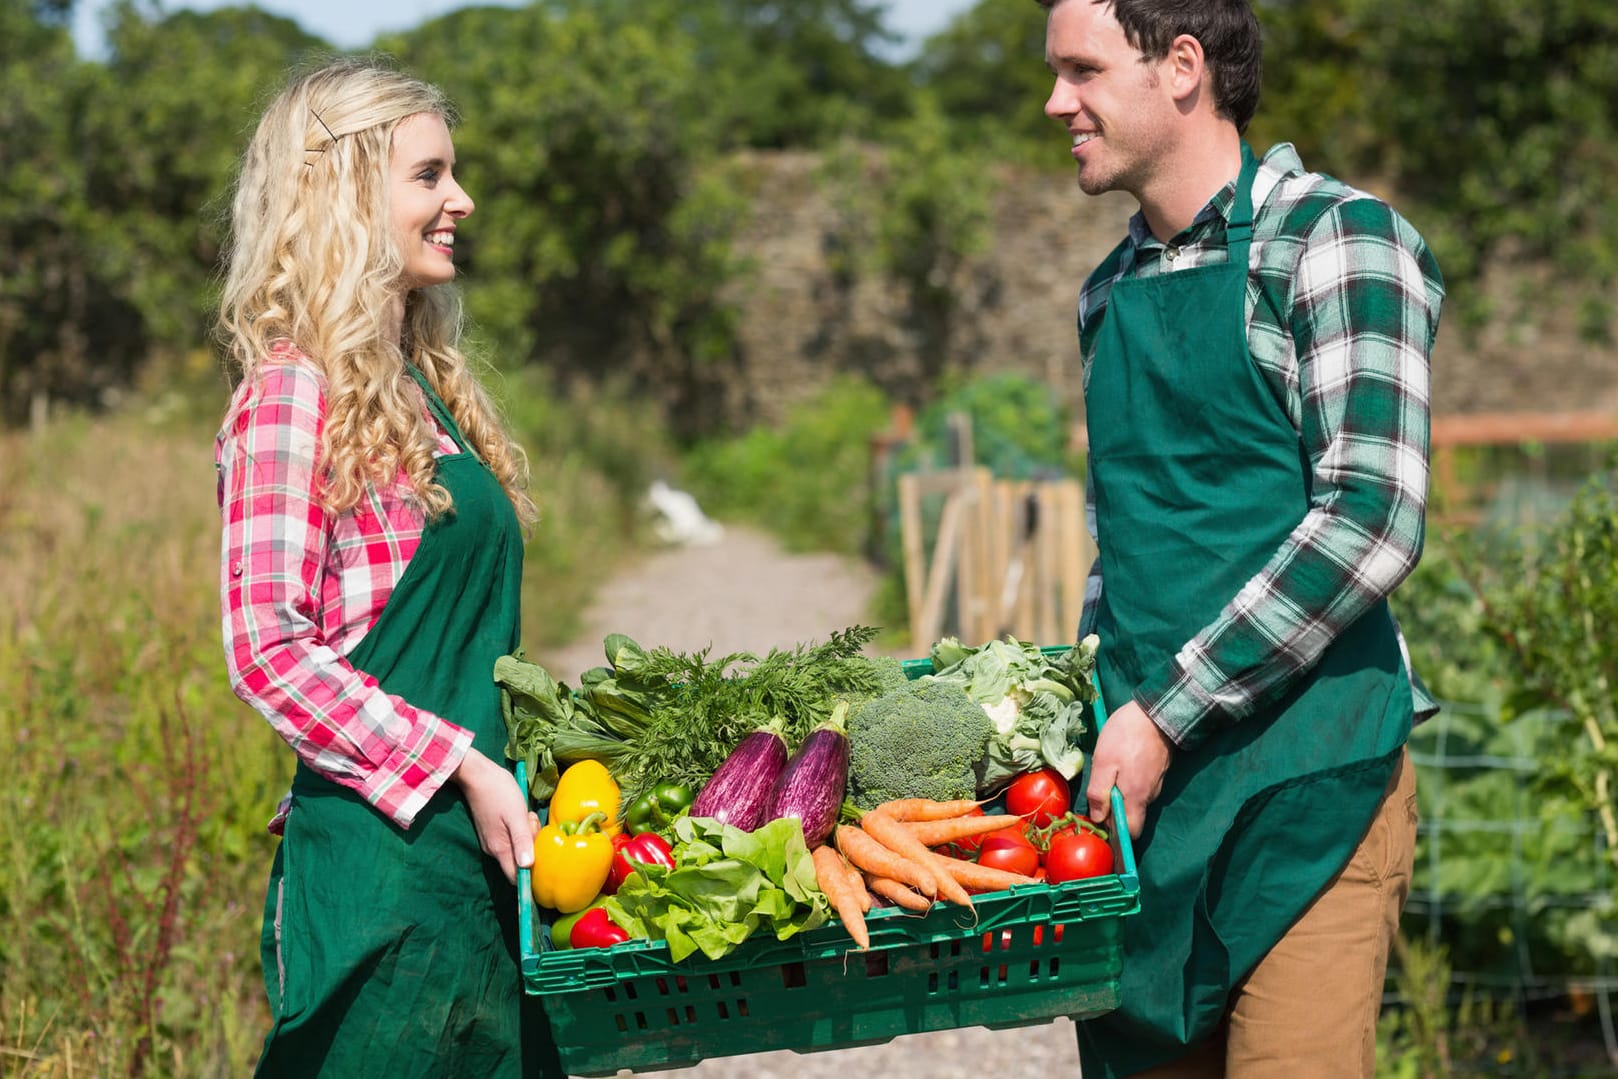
(924,739)
(890,674)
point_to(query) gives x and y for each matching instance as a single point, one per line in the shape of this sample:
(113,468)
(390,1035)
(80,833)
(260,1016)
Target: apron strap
(441,412)
(1239,232)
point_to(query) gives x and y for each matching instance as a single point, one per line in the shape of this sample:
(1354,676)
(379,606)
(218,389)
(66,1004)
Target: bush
(808,480)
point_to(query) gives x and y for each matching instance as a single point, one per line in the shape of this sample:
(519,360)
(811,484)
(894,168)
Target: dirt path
(744,593)
(747,594)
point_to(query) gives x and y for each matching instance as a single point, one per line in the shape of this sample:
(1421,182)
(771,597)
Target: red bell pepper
(595,930)
(648,848)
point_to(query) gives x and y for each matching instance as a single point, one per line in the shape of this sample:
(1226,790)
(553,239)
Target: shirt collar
(1278,163)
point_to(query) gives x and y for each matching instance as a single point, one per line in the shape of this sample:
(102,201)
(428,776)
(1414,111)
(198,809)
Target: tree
(1492,118)
(166,148)
(1497,116)
(51,288)
(600,243)
(987,73)
(793,72)
(112,201)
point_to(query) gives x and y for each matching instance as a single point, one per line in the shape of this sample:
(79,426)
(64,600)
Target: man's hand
(1132,754)
(499,812)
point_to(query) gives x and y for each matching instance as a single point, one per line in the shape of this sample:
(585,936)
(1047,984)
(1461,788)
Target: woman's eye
(428,176)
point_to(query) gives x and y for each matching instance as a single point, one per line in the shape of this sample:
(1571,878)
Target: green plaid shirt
(1342,309)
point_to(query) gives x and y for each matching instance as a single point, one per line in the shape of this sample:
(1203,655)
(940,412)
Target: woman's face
(427,202)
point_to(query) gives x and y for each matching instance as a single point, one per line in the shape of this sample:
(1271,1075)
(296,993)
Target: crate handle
(525,887)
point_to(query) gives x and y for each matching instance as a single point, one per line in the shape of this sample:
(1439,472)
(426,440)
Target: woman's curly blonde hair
(312,261)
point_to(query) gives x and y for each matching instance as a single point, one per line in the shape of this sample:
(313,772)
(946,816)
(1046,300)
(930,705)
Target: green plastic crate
(1003,964)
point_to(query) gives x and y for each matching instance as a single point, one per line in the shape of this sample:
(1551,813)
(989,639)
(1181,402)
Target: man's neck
(1202,165)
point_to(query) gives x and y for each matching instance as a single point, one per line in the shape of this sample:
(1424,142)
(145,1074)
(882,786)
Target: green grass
(132,816)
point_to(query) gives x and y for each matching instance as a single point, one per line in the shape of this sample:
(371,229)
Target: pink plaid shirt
(300,589)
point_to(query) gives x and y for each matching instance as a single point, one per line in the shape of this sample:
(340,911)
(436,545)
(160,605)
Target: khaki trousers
(1309,1009)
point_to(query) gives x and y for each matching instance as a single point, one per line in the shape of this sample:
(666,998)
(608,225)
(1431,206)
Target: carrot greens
(657,715)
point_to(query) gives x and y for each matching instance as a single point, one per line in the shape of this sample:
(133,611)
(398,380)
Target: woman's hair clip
(318,149)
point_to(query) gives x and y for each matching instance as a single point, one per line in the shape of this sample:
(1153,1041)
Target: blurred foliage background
(621,153)
(602,136)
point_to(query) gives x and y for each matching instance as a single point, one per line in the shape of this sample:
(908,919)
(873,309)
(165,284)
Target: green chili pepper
(657,808)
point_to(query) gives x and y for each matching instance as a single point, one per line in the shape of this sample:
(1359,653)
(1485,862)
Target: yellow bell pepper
(571,863)
(587,787)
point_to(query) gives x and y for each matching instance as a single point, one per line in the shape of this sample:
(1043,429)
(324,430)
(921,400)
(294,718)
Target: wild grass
(133,853)
(132,815)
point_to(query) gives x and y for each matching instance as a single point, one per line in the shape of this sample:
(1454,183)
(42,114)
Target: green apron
(1199,478)
(397,950)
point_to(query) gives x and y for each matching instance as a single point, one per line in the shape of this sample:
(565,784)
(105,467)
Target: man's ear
(1184,67)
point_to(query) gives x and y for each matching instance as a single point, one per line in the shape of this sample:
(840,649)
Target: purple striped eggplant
(812,784)
(740,789)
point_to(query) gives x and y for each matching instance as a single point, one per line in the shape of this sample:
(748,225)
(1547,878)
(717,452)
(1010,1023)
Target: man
(1256,386)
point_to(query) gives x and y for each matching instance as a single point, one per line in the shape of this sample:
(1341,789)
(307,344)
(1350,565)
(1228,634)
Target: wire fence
(1513,880)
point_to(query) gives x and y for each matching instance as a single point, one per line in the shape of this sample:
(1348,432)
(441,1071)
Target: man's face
(1108,97)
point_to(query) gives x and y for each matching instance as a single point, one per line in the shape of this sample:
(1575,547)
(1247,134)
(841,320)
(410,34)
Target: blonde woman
(373,512)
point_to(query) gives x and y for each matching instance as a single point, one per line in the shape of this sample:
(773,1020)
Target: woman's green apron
(394,953)
(1199,478)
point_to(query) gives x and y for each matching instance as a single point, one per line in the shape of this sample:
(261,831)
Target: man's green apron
(397,949)
(1199,478)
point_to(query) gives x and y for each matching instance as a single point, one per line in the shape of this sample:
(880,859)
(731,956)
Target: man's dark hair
(1227,29)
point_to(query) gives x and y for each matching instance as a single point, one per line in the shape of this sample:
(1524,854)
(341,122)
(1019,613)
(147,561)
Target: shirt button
(1171,253)
(236,569)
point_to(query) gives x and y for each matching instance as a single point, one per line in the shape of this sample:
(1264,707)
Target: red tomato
(1006,837)
(1040,796)
(1012,857)
(1076,854)
(1014,836)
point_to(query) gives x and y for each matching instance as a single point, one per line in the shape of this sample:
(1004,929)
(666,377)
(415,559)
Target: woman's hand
(499,812)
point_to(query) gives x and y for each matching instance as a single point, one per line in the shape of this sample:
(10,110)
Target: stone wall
(1016,307)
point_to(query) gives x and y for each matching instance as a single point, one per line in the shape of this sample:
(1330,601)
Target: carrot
(892,834)
(870,855)
(920,809)
(935,833)
(900,894)
(979,878)
(833,878)
(856,880)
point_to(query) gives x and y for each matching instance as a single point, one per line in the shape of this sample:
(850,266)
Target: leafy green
(1038,702)
(660,716)
(726,885)
(534,706)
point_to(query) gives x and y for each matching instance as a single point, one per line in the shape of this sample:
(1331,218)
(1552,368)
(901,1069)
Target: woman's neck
(393,321)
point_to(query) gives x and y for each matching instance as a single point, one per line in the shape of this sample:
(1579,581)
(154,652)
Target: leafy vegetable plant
(726,885)
(1038,702)
(658,716)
